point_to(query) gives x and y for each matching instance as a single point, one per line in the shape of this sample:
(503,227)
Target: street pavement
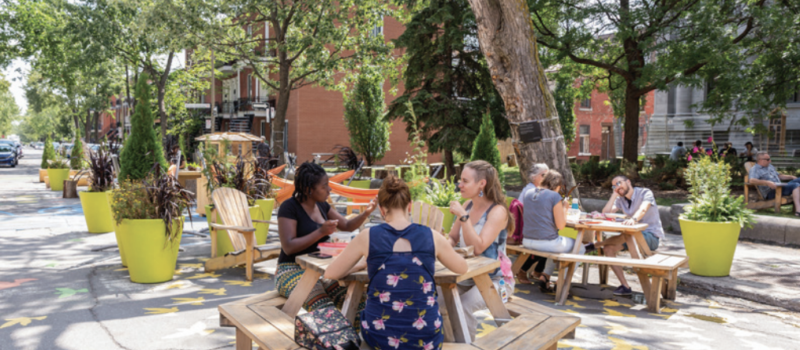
(59,289)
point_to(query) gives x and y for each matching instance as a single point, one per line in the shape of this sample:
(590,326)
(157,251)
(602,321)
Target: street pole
(213,95)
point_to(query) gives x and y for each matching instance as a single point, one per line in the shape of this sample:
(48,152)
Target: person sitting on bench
(764,175)
(535,177)
(304,221)
(400,260)
(639,204)
(545,215)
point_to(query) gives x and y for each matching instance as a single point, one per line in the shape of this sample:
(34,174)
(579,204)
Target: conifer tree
(363,115)
(142,148)
(76,156)
(49,152)
(485,146)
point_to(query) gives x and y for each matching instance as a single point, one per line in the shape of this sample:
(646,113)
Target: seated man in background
(764,176)
(677,153)
(639,204)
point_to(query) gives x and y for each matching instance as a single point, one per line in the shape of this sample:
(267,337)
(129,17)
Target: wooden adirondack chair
(428,215)
(232,207)
(763,203)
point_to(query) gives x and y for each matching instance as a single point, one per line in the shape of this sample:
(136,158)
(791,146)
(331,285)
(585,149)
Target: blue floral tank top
(401,309)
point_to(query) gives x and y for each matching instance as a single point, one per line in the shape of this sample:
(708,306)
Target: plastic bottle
(502,290)
(574,213)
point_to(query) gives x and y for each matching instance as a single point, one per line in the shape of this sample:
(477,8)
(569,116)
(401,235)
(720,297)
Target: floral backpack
(325,329)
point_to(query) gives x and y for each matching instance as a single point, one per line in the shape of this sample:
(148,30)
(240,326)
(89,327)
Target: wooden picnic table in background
(454,322)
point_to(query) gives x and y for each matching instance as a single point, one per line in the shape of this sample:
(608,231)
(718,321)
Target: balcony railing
(242,104)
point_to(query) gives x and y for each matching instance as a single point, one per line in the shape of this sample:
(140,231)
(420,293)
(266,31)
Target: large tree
(644,45)
(507,40)
(446,79)
(364,108)
(309,43)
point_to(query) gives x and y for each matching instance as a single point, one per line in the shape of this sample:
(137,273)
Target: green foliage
(416,178)
(710,196)
(446,78)
(142,149)
(76,156)
(363,116)
(57,162)
(595,173)
(48,153)
(485,146)
(668,173)
(9,111)
(441,194)
(565,100)
(157,196)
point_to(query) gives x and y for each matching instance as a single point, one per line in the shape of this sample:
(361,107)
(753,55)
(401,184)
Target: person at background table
(698,149)
(483,222)
(400,260)
(545,215)
(304,221)
(749,152)
(677,153)
(535,176)
(639,204)
(727,150)
(764,175)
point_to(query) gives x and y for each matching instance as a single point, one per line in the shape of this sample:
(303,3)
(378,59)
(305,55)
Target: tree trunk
(86,124)
(630,145)
(448,163)
(162,90)
(507,40)
(281,106)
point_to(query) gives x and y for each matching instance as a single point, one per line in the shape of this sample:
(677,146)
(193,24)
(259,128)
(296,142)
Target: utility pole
(213,95)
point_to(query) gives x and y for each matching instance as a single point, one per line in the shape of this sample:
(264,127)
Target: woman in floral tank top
(402,310)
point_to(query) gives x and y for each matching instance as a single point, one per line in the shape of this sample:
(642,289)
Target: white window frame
(580,104)
(584,141)
(377,30)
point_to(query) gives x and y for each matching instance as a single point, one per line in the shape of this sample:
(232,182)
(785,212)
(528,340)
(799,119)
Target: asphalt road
(56,292)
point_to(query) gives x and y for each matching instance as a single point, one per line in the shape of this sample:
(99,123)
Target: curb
(738,288)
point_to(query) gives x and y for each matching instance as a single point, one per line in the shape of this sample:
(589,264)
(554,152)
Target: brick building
(595,127)
(315,116)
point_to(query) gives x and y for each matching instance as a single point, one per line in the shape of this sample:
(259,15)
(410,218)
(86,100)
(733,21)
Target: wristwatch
(464,218)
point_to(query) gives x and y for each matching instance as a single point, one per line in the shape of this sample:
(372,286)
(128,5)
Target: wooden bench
(259,319)
(763,203)
(660,268)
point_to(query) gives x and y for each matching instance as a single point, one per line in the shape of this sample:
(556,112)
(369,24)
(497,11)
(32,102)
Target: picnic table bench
(659,267)
(268,319)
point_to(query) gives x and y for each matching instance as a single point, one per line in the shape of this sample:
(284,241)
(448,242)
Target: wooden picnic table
(455,326)
(636,245)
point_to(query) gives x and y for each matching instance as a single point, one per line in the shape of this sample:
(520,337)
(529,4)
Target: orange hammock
(276,171)
(358,195)
(287,187)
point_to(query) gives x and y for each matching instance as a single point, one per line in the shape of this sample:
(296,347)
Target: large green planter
(265,206)
(97,211)
(224,245)
(710,246)
(151,258)
(449,218)
(57,177)
(119,232)
(359,183)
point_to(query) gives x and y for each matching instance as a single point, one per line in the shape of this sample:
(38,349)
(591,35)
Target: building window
(249,86)
(584,140)
(249,30)
(263,128)
(794,98)
(377,30)
(586,103)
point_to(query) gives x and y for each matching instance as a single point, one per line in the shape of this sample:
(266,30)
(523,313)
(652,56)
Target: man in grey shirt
(764,175)
(677,152)
(639,204)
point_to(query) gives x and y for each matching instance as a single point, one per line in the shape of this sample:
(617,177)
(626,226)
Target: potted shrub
(47,154)
(96,201)
(57,172)
(440,195)
(149,223)
(711,223)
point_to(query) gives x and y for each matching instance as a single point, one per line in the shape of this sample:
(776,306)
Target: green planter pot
(97,211)
(449,218)
(151,258)
(265,207)
(119,232)
(359,183)
(224,245)
(710,246)
(57,177)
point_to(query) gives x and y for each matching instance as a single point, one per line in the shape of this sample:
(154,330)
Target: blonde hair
(493,190)
(553,180)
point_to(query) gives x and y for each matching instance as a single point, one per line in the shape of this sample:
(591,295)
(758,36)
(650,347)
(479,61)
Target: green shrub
(142,148)
(363,115)
(666,186)
(49,152)
(417,177)
(671,172)
(596,173)
(76,156)
(441,194)
(710,198)
(485,146)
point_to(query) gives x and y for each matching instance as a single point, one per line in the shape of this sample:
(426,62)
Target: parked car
(8,154)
